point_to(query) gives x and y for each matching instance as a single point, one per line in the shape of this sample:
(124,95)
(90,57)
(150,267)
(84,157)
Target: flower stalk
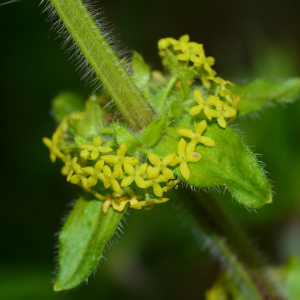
(104,61)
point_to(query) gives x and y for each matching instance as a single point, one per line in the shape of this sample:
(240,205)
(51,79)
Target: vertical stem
(227,242)
(107,66)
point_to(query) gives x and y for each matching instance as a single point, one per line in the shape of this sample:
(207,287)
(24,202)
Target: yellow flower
(170,185)
(163,44)
(109,179)
(149,203)
(134,175)
(196,137)
(52,145)
(160,166)
(119,160)
(96,147)
(115,201)
(182,42)
(223,110)
(155,184)
(80,176)
(203,104)
(70,167)
(95,173)
(186,155)
(191,51)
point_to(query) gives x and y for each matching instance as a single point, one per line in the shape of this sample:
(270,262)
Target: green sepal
(187,73)
(94,112)
(257,93)
(141,71)
(229,163)
(66,103)
(82,241)
(123,135)
(172,59)
(184,88)
(153,131)
(176,109)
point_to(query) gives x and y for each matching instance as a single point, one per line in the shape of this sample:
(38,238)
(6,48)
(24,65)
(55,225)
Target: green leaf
(141,71)
(229,163)
(94,112)
(153,131)
(257,93)
(66,103)
(184,88)
(123,135)
(171,58)
(82,241)
(176,109)
(187,73)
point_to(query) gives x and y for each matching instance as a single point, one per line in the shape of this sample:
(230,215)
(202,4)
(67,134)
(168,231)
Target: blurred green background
(157,257)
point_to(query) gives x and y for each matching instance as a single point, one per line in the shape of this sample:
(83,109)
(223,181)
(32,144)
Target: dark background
(157,257)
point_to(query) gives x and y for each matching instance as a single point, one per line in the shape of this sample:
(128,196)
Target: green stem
(107,66)
(166,92)
(228,243)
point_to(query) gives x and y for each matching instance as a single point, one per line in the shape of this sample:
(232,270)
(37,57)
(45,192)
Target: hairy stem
(107,66)
(228,243)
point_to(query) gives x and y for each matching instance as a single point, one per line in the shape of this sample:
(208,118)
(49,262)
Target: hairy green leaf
(82,241)
(230,163)
(66,103)
(141,71)
(123,135)
(257,93)
(153,131)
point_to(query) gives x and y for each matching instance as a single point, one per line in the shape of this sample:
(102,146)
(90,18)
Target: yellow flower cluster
(221,112)
(191,52)
(118,172)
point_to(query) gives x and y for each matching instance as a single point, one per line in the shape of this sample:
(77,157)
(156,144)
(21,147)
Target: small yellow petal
(168,173)
(186,132)
(129,169)
(176,161)
(94,154)
(207,141)
(191,147)
(198,96)
(127,181)
(195,110)
(92,181)
(116,186)
(184,170)
(183,57)
(142,169)
(157,190)
(75,179)
(221,121)
(181,147)
(122,150)
(110,159)
(155,160)
(106,171)
(201,127)
(140,182)
(106,205)
(168,159)
(193,157)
